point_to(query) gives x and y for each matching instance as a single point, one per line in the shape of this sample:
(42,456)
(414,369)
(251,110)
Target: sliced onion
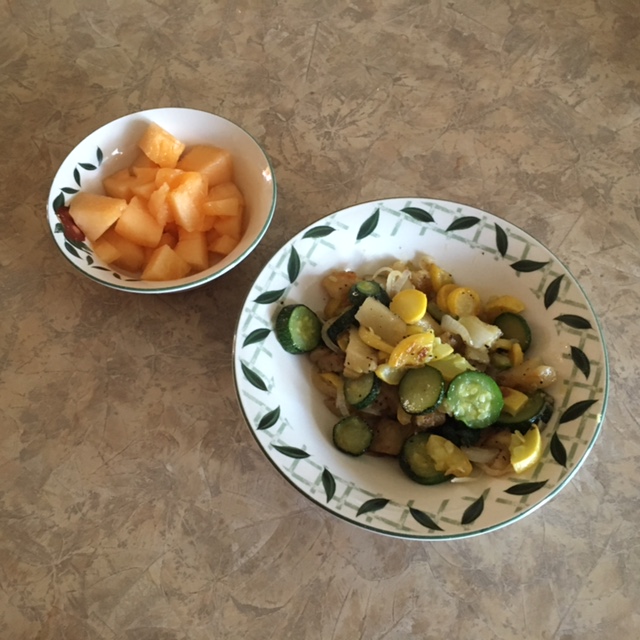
(479,454)
(325,336)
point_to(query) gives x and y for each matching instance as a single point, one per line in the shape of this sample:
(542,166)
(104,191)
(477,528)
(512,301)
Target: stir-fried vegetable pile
(417,366)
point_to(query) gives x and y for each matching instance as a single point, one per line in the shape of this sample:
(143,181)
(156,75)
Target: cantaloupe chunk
(143,190)
(185,201)
(94,214)
(223,207)
(223,245)
(142,160)
(105,250)
(214,163)
(138,225)
(229,226)
(165,264)
(168,238)
(159,205)
(168,176)
(131,255)
(118,184)
(192,247)
(160,146)
(225,190)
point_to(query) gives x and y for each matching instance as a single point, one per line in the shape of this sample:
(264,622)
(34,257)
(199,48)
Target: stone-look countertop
(134,501)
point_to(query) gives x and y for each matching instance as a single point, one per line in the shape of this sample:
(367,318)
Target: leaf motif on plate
(502,242)
(57,203)
(581,361)
(552,291)
(291,452)
(369,225)
(576,410)
(527,266)
(252,377)
(574,321)
(99,155)
(375,504)
(87,166)
(465,222)
(71,249)
(269,419)
(69,190)
(89,259)
(473,511)
(558,452)
(422,518)
(318,232)
(329,484)
(76,176)
(293,267)
(258,335)
(418,214)
(270,296)
(525,488)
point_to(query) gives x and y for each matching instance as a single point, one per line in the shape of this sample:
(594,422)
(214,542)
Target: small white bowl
(114,146)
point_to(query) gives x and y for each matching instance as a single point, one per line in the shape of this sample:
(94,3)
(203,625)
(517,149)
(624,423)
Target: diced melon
(143,161)
(168,238)
(160,146)
(147,174)
(159,205)
(229,226)
(168,176)
(105,250)
(223,207)
(165,264)
(131,255)
(118,184)
(208,222)
(215,164)
(138,225)
(192,247)
(185,201)
(94,214)
(225,190)
(223,244)
(143,191)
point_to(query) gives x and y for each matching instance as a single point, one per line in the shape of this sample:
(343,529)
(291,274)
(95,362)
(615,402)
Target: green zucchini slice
(537,410)
(352,435)
(421,390)
(298,329)
(514,327)
(364,289)
(361,392)
(416,462)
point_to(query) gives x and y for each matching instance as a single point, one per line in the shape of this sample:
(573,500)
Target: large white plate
(286,413)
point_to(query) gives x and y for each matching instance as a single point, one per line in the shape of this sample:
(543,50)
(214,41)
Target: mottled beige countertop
(134,500)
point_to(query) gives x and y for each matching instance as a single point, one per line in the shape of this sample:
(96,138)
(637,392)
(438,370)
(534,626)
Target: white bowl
(291,424)
(114,146)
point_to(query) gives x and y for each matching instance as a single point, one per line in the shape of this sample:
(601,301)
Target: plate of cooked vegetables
(421,368)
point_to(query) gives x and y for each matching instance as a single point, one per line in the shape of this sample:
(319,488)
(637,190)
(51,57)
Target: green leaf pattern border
(567,432)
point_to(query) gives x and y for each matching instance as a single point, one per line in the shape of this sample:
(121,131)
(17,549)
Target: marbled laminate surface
(134,501)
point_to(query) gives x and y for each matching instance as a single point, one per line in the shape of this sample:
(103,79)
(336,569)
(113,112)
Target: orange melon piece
(118,184)
(141,160)
(225,190)
(224,245)
(168,176)
(94,214)
(223,207)
(165,264)
(185,201)
(229,226)
(192,248)
(132,255)
(215,164)
(159,205)
(160,146)
(168,238)
(105,250)
(138,225)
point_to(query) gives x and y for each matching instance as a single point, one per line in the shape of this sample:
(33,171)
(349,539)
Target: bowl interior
(114,146)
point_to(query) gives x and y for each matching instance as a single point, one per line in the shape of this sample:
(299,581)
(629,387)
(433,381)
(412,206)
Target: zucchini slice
(416,462)
(421,390)
(352,435)
(364,289)
(537,410)
(298,329)
(514,327)
(343,322)
(361,392)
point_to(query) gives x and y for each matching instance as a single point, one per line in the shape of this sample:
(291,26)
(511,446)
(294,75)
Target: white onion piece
(480,455)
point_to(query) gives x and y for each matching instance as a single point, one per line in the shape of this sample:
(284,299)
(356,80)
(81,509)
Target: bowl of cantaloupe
(162,200)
